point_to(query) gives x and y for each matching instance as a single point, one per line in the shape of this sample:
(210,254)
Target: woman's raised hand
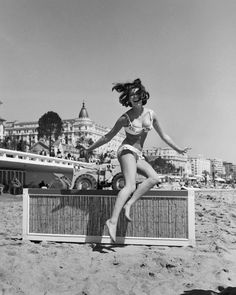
(184,151)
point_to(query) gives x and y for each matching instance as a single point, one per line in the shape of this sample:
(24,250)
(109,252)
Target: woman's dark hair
(127,88)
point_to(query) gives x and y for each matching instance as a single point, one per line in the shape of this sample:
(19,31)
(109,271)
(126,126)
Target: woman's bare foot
(111,229)
(127,212)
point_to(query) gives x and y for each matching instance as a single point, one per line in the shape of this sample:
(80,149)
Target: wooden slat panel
(86,215)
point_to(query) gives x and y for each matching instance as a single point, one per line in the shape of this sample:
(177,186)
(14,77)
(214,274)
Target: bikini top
(135,128)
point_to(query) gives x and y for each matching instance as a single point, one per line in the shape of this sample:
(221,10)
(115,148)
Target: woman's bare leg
(129,170)
(144,187)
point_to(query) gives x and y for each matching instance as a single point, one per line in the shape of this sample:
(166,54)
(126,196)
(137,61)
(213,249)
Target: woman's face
(135,99)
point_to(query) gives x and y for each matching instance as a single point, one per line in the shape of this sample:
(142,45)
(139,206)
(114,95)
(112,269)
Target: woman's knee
(154,180)
(130,188)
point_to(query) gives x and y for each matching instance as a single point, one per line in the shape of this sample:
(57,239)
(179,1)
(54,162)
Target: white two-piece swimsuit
(136,130)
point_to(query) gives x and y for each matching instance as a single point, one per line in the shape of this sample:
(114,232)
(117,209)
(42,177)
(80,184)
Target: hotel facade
(73,131)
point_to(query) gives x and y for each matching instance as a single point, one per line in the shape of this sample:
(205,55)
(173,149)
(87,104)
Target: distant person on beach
(43,185)
(137,122)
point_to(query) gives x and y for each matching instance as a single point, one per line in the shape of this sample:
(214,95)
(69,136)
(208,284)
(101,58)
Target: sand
(86,269)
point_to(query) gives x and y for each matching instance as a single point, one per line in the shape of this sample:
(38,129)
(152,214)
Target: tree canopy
(50,127)
(161,165)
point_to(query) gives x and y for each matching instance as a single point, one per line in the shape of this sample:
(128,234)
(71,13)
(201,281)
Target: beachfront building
(73,131)
(199,165)
(1,128)
(234,172)
(26,131)
(228,170)
(217,167)
(171,156)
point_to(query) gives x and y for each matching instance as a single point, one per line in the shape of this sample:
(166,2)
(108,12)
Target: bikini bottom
(126,147)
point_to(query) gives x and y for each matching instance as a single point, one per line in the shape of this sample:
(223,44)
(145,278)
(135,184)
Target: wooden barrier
(159,218)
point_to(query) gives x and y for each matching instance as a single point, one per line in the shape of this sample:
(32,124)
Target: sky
(55,54)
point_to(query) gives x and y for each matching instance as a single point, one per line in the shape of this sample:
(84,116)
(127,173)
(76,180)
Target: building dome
(83,112)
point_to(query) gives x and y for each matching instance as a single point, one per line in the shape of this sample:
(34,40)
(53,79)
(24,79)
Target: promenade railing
(7,155)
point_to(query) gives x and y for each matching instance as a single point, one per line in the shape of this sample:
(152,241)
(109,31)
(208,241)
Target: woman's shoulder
(128,112)
(125,115)
(147,110)
(124,118)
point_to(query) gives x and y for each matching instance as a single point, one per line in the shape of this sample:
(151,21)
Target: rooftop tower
(83,112)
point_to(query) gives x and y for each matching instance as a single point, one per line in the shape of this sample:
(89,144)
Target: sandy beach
(86,269)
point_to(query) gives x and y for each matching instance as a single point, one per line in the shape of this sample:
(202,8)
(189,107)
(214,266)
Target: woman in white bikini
(137,121)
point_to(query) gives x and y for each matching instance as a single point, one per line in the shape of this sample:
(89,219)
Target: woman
(137,121)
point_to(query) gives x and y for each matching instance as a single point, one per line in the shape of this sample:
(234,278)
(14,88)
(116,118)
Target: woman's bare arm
(166,138)
(108,136)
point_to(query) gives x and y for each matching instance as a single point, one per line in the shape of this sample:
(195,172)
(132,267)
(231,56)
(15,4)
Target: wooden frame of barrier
(165,218)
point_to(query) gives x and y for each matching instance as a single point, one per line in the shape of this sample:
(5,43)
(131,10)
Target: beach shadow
(223,291)
(104,249)
(228,291)
(199,292)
